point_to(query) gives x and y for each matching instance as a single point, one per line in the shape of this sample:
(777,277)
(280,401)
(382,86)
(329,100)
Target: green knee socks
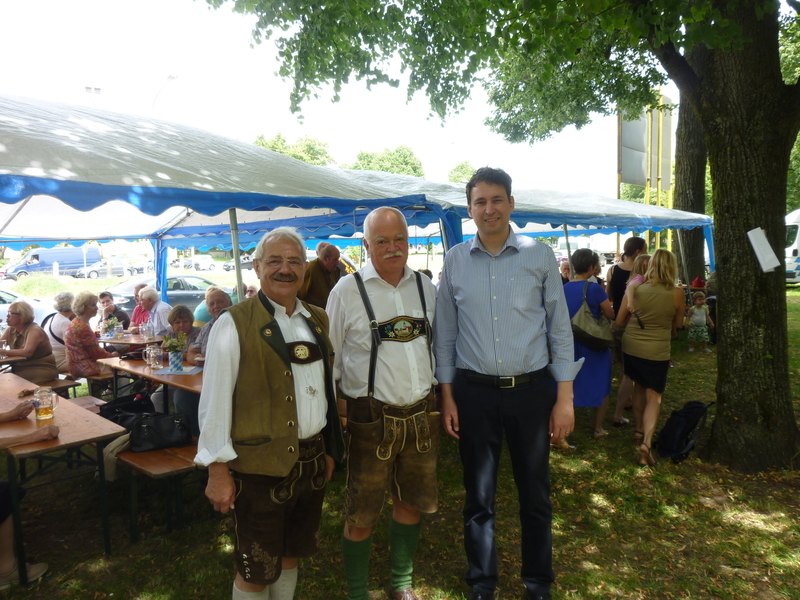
(356,567)
(403,541)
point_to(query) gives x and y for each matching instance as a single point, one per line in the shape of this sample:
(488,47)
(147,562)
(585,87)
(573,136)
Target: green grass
(688,531)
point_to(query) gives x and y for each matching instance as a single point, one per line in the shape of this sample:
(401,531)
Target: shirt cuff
(567,371)
(205,457)
(445,374)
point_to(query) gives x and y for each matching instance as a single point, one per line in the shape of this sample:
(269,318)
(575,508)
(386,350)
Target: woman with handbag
(593,383)
(646,343)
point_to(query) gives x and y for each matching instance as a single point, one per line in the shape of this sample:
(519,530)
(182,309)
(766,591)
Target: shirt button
(494,297)
(493,277)
(497,340)
(289,399)
(495,318)
(499,361)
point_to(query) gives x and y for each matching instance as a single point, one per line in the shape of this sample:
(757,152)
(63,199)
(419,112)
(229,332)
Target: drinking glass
(3,348)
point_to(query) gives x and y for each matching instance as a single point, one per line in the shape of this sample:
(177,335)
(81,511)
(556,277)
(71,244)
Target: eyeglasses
(249,292)
(277,263)
(13,314)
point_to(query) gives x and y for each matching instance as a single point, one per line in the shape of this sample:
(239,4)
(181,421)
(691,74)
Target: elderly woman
(180,321)
(82,347)
(25,338)
(646,343)
(56,325)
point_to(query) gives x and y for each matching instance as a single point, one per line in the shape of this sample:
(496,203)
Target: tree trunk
(750,123)
(690,177)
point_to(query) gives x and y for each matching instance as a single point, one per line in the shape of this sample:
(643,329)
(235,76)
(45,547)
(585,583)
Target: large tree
(401,160)
(307,149)
(749,117)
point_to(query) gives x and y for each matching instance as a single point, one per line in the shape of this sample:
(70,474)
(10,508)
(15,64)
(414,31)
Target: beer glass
(45,402)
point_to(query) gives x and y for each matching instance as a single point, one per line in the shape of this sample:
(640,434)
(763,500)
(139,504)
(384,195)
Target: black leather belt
(505,382)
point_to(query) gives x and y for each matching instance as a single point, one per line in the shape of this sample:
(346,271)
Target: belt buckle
(502,386)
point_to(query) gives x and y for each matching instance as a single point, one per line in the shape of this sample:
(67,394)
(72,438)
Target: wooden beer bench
(171,464)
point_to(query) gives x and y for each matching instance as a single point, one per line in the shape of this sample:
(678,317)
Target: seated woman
(180,321)
(25,338)
(56,327)
(82,347)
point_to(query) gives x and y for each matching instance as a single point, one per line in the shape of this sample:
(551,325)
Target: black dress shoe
(479,593)
(537,596)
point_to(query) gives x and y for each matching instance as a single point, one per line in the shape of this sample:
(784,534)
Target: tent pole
(569,252)
(236,264)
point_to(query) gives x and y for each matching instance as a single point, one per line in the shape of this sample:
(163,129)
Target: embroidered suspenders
(401,329)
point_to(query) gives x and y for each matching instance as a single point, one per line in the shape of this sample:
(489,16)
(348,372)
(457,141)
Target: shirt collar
(369,272)
(511,242)
(298,308)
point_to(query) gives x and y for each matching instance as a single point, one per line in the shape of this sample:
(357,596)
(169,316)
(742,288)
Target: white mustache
(393,254)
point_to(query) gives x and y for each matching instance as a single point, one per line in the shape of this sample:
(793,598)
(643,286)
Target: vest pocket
(253,441)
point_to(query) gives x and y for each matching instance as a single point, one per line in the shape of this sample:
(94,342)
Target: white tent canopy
(88,157)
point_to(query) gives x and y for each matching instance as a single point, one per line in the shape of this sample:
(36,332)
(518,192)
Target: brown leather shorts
(276,517)
(390,447)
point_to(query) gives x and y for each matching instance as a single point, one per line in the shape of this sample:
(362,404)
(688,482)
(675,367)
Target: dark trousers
(522,413)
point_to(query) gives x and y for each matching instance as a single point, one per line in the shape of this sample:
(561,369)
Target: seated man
(151,301)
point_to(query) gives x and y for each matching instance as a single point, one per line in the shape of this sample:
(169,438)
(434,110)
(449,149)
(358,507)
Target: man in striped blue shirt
(499,309)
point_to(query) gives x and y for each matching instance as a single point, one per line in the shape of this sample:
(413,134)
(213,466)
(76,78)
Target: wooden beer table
(77,427)
(131,339)
(191,383)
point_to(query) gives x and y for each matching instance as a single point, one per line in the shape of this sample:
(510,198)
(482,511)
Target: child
(636,278)
(699,321)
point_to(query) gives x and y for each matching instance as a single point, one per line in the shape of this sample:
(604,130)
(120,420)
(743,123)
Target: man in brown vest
(321,275)
(269,430)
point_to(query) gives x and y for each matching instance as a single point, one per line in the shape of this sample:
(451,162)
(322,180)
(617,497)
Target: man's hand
(562,417)
(449,411)
(20,411)
(221,489)
(48,432)
(330,465)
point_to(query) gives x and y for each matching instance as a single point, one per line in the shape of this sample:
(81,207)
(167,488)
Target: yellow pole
(658,163)
(648,177)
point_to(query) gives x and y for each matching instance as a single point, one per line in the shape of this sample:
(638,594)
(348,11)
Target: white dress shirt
(403,374)
(221,371)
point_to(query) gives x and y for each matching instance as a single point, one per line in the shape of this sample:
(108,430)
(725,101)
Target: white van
(793,247)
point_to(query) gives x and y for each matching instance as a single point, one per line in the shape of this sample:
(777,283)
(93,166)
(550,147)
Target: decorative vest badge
(401,329)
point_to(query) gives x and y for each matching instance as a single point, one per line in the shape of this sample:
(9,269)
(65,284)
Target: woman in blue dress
(593,383)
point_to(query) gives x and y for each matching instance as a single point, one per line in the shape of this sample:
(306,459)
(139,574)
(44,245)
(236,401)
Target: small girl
(636,278)
(699,321)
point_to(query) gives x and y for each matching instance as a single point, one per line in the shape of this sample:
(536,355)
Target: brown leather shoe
(406,594)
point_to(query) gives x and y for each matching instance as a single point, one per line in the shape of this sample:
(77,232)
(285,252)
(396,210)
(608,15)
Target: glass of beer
(45,402)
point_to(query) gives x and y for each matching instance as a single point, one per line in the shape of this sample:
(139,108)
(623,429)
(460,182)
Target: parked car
(143,267)
(119,268)
(40,309)
(41,260)
(199,262)
(189,290)
(247,263)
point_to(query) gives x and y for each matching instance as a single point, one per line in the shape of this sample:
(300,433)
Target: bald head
(329,257)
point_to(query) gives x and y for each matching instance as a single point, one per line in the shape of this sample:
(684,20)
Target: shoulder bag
(593,333)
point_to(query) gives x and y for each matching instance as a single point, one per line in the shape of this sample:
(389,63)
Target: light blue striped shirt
(497,314)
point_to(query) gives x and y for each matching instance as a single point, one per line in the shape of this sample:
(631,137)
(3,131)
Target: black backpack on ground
(679,434)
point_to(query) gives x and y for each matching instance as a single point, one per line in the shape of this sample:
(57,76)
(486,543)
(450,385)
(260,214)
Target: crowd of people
(309,355)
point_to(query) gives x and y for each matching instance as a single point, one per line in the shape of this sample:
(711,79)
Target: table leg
(170,501)
(114,386)
(134,525)
(17,517)
(178,501)
(167,409)
(101,472)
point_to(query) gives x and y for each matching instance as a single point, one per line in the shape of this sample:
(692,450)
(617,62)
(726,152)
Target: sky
(182,61)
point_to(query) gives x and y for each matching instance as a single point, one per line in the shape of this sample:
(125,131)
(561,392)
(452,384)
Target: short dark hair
(489,175)
(102,295)
(583,259)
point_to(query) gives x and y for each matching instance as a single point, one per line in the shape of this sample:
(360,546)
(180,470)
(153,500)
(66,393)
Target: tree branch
(679,70)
